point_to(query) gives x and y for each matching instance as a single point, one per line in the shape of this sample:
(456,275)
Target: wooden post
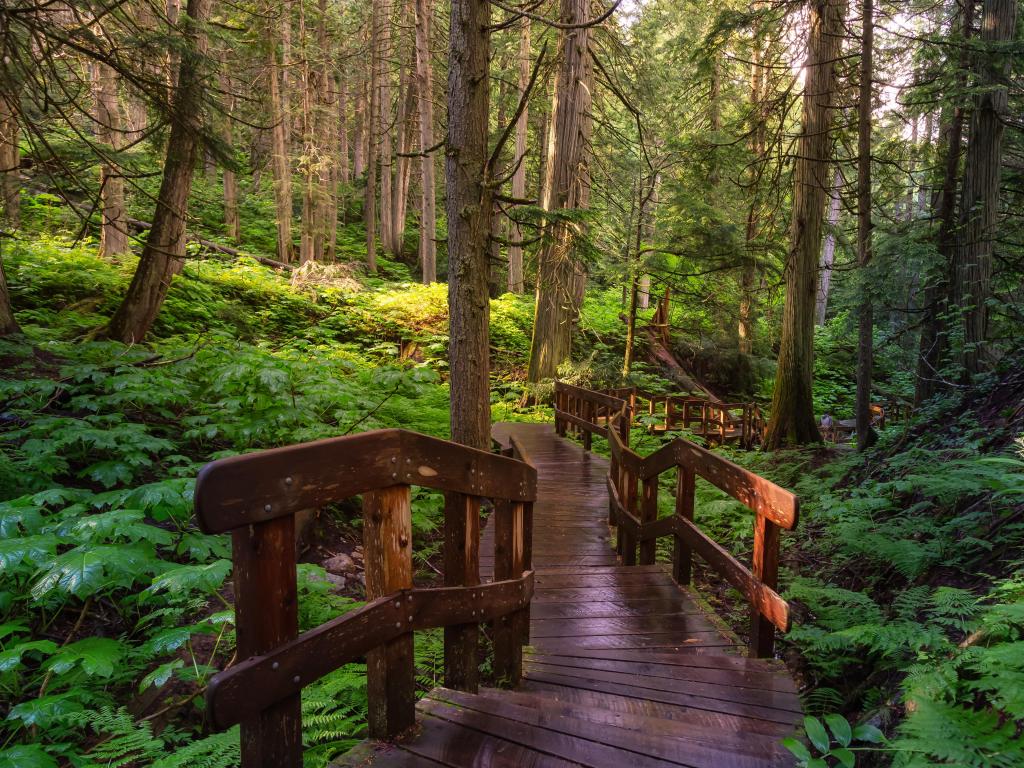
(613,473)
(524,615)
(461,568)
(266,615)
(625,423)
(765,567)
(390,670)
(588,416)
(509,552)
(682,554)
(704,420)
(648,514)
(626,540)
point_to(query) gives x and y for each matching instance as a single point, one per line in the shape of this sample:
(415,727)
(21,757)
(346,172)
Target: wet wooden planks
(625,668)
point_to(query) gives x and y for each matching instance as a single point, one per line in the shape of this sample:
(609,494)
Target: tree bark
(828,251)
(792,420)
(865,320)
(425,104)
(164,250)
(10,162)
(758,142)
(979,207)
(516,277)
(384,128)
(933,340)
(565,187)
(403,163)
(370,128)
(110,132)
(280,131)
(229,180)
(469,204)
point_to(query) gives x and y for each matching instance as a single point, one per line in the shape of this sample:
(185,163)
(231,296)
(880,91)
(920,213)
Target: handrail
(256,496)
(633,487)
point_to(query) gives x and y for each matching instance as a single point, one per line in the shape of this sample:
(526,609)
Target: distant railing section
(256,497)
(634,487)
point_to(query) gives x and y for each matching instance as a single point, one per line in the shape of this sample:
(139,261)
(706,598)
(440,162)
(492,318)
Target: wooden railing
(256,497)
(633,490)
(718,423)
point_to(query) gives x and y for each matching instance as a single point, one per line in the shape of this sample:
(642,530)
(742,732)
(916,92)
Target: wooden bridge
(609,658)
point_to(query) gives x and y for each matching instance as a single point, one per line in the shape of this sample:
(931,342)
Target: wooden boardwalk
(624,667)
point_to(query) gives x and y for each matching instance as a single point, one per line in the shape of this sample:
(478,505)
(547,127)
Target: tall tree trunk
(404,136)
(164,249)
(468,207)
(792,420)
(565,187)
(428,185)
(110,132)
(384,127)
(828,250)
(516,276)
(229,180)
(979,207)
(10,162)
(359,125)
(281,129)
(758,141)
(865,320)
(933,340)
(370,127)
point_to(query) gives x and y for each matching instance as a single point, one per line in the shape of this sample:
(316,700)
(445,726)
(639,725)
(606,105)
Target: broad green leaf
(169,640)
(11,658)
(189,578)
(161,674)
(97,656)
(26,756)
(869,733)
(816,733)
(797,747)
(31,549)
(845,757)
(46,710)
(840,728)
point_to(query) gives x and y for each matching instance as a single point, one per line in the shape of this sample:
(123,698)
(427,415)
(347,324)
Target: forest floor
(906,570)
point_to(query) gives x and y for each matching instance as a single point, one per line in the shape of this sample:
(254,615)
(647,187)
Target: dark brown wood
(508,564)
(649,514)
(765,568)
(242,490)
(461,568)
(259,682)
(764,599)
(390,669)
(682,553)
(266,616)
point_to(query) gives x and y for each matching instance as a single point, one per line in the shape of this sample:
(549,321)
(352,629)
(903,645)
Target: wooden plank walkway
(625,668)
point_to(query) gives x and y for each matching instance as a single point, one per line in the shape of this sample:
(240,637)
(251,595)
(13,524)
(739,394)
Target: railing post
(266,615)
(648,514)
(625,424)
(390,670)
(613,473)
(765,568)
(509,552)
(588,416)
(625,541)
(682,554)
(461,568)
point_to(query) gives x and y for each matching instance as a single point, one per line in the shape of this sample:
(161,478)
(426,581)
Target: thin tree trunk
(758,141)
(404,134)
(232,221)
(359,124)
(370,200)
(865,345)
(565,187)
(428,185)
(10,163)
(933,340)
(280,132)
(384,127)
(469,204)
(110,132)
(164,249)
(828,251)
(979,208)
(792,420)
(516,276)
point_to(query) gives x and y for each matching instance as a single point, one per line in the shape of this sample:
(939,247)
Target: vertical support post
(704,420)
(509,552)
(682,554)
(765,567)
(266,615)
(588,416)
(626,541)
(524,615)
(626,422)
(648,514)
(461,568)
(670,413)
(559,406)
(390,668)
(613,473)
